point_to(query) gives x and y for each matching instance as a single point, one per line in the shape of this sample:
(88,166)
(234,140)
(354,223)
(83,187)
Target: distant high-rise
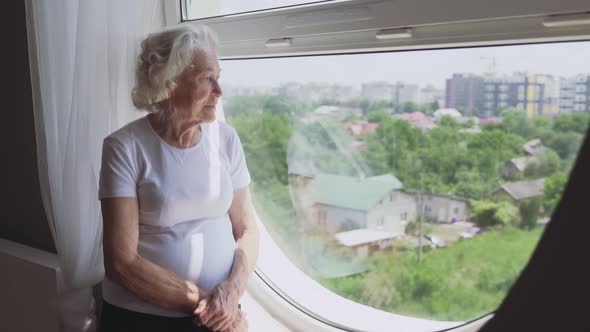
(574,94)
(314,92)
(487,96)
(535,94)
(465,93)
(377,91)
(430,94)
(404,93)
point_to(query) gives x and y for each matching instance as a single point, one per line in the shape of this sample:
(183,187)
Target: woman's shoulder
(128,133)
(226,132)
(226,129)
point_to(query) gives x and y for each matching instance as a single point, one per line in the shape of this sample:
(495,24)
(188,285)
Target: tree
(264,138)
(443,155)
(390,142)
(378,106)
(488,213)
(529,212)
(351,117)
(349,225)
(573,122)
(473,185)
(407,107)
(544,165)
(282,106)
(236,105)
(541,122)
(276,104)
(515,121)
(468,124)
(449,121)
(364,104)
(377,116)
(434,106)
(552,190)
(566,144)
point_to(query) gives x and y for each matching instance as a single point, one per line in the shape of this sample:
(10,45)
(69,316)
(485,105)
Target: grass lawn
(460,282)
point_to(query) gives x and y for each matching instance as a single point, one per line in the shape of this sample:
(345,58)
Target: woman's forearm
(245,256)
(157,285)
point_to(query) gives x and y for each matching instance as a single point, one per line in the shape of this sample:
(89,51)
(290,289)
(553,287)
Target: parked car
(437,241)
(471,232)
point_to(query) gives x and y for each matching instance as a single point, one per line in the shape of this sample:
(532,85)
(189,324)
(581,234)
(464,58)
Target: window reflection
(418,199)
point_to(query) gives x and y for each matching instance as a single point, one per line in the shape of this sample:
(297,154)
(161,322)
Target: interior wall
(22,218)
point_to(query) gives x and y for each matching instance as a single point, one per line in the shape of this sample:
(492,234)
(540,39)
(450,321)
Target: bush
(529,212)
(413,228)
(545,165)
(488,213)
(552,190)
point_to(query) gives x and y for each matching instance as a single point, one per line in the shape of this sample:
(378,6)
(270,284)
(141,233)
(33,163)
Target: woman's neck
(176,131)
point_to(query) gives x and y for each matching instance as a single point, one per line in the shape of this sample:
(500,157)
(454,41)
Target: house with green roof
(344,203)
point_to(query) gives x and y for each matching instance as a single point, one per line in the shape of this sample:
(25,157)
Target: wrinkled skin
(219,311)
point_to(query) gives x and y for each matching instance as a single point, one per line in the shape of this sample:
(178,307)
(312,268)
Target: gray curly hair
(164,55)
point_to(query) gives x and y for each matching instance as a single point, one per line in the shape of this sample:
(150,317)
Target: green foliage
(515,121)
(503,146)
(377,116)
(442,159)
(566,144)
(413,228)
(407,107)
(488,213)
(351,117)
(365,104)
(544,165)
(319,147)
(277,105)
(349,225)
(468,124)
(552,190)
(460,282)
(273,205)
(349,287)
(390,143)
(472,184)
(529,212)
(574,122)
(264,138)
(434,106)
(316,134)
(449,121)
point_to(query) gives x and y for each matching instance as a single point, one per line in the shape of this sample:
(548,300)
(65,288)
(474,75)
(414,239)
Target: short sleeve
(240,176)
(117,171)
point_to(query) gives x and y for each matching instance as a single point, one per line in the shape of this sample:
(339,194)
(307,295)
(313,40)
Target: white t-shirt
(184,196)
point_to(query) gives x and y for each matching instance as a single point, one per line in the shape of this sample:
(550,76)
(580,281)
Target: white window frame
(351,27)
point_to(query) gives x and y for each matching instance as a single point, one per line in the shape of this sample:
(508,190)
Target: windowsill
(325,306)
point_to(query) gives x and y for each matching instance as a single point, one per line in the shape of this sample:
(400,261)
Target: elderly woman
(180,238)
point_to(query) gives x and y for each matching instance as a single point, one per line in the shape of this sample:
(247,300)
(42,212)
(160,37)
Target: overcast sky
(418,67)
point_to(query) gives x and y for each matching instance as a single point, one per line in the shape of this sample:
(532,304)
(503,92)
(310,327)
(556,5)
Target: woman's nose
(217,89)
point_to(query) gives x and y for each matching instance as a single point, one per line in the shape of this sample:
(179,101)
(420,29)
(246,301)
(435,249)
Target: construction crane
(491,64)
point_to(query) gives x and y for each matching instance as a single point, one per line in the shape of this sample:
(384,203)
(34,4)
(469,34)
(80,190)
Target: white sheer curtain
(82,56)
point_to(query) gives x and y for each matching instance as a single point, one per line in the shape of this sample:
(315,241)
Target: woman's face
(198,90)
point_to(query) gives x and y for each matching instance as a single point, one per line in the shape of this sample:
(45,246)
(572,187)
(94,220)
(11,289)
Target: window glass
(391,181)
(196,9)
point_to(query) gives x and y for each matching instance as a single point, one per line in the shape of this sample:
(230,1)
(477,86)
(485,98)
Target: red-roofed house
(418,119)
(360,127)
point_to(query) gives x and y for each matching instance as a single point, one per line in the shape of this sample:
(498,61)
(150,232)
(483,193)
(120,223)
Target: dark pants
(116,319)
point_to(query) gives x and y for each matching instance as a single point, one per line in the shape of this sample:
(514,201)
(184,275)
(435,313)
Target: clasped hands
(219,310)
